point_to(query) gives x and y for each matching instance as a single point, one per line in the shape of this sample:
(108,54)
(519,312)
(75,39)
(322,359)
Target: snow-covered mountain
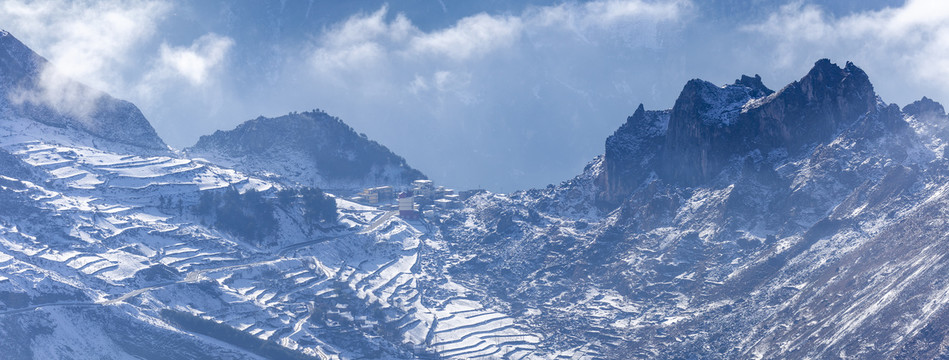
(32,89)
(742,223)
(310,148)
(108,250)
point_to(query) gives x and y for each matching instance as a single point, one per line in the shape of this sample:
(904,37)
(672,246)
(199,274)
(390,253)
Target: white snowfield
(352,292)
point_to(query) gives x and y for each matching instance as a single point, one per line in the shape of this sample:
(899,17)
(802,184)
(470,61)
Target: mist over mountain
(515,94)
(742,222)
(32,90)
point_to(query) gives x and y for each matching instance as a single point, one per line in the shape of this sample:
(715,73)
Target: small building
(424,188)
(423,184)
(441,192)
(447,204)
(377,194)
(407,206)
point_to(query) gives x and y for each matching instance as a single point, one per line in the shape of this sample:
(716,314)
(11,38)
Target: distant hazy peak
(924,107)
(17,61)
(310,148)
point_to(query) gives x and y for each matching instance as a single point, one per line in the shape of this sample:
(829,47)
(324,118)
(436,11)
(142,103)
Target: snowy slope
(741,223)
(103,254)
(88,225)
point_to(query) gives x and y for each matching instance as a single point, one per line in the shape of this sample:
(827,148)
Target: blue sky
(504,95)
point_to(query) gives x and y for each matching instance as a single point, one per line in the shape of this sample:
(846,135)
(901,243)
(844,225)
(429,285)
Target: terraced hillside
(88,234)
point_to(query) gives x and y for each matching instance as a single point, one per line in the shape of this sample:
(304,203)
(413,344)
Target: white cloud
(358,55)
(912,39)
(602,14)
(58,92)
(472,36)
(114,47)
(361,42)
(491,85)
(194,63)
(86,41)
(370,43)
(418,85)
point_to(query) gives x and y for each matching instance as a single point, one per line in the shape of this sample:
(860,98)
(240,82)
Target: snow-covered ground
(351,292)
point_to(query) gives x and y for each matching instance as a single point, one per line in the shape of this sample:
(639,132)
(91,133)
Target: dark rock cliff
(710,125)
(631,153)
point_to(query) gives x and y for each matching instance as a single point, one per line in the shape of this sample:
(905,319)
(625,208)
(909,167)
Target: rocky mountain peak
(709,125)
(755,84)
(639,114)
(706,127)
(17,61)
(826,82)
(630,153)
(924,107)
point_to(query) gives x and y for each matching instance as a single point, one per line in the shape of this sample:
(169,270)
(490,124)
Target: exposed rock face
(709,125)
(631,153)
(25,93)
(310,148)
(810,110)
(704,130)
(755,84)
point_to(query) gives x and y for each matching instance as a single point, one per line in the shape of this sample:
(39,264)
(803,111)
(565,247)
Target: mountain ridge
(309,148)
(747,116)
(732,258)
(741,223)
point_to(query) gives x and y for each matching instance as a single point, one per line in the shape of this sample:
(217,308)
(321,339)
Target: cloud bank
(909,41)
(364,40)
(103,44)
(194,63)
(485,90)
(91,41)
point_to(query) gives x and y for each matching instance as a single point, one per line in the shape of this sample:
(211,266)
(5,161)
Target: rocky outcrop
(710,125)
(631,153)
(704,130)
(924,107)
(809,110)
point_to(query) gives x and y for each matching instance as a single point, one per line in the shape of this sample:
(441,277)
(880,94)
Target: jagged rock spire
(709,124)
